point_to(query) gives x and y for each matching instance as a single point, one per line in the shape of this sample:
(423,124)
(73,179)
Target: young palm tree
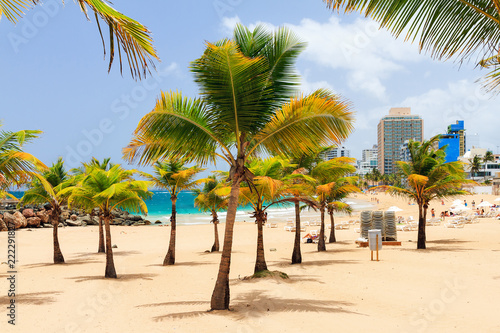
(428,178)
(125,34)
(79,173)
(210,200)
(109,190)
(342,188)
(453,28)
(174,177)
(16,166)
(247,107)
(327,174)
(45,188)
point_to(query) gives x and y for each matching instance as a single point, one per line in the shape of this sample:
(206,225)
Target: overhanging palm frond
(446,28)
(14,9)
(306,123)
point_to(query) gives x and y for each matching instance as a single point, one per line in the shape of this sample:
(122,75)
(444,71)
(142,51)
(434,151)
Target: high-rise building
(455,139)
(336,152)
(369,161)
(392,131)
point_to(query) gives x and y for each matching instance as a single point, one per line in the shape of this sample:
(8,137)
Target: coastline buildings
(392,131)
(455,139)
(336,152)
(369,161)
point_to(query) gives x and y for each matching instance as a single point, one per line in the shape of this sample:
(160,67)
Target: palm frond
(14,9)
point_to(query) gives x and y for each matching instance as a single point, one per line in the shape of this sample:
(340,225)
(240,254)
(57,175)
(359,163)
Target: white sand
(453,286)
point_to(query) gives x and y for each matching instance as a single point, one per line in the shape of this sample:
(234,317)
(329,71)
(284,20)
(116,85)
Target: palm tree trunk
(421,226)
(321,241)
(58,256)
(220,295)
(101,248)
(332,239)
(110,264)
(170,257)
(296,255)
(260,262)
(215,221)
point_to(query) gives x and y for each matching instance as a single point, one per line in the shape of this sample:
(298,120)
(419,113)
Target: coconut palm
(210,200)
(109,190)
(428,178)
(125,34)
(475,165)
(79,173)
(16,166)
(174,177)
(45,188)
(327,174)
(342,188)
(459,29)
(247,107)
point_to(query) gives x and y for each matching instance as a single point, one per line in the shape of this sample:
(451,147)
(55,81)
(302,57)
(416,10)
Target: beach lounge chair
(272,225)
(403,227)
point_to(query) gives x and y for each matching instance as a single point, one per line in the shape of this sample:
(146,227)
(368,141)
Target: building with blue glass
(455,141)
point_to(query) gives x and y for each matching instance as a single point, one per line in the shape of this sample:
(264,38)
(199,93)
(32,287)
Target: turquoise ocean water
(160,208)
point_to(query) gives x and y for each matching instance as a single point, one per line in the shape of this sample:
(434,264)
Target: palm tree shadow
(40,298)
(286,262)
(448,241)
(121,277)
(183,263)
(256,304)
(68,263)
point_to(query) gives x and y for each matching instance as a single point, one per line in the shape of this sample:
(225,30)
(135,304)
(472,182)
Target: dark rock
(157,222)
(146,222)
(3,226)
(72,223)
(73,217)
(33,222)
(61,225)
(137,224)
(114,246)
(135,218)
(48,225)
(117,221)
(17,219)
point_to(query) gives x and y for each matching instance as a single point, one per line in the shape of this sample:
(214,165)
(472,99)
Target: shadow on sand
(121,277)
(184,263)
(67,263)
(443,245)
(41,298)
(255,304)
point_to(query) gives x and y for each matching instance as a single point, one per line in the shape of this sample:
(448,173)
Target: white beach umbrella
(457,202)
(497,199)
(459,208)
(484,204)
(394,209)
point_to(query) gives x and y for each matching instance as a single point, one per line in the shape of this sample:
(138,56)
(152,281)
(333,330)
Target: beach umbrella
(484,204)
(457,202)
(394,209)
(459,208)
(497,199)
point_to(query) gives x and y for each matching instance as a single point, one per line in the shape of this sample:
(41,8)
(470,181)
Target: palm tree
(80,173)
(447,29)
(247,107)
(16,166)
(174,177)
(342,188)
(327,174)
(488,157)
(125,34)
(266,190)
(428,178)
(109,190)
(210,200)
(475,165)
(45,188)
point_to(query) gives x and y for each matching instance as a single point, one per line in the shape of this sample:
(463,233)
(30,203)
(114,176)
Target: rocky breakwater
(40,218)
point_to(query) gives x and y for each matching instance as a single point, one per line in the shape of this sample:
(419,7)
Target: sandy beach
(452,286)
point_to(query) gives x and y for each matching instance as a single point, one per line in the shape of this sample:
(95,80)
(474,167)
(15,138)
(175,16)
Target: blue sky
(54,78)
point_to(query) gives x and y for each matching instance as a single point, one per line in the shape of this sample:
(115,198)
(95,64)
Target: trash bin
(372,236)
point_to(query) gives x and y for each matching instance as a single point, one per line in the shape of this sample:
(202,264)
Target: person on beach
(433,214)
(473,204)
(442,202)
(465,203)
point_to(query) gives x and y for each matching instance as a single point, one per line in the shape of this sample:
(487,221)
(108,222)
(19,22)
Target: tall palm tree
(475,165)
(428,177)
(109,190)
(327,174)
(210,200)
(16,166)
(488,157)
(174,177)
(45,188)
(464,29)
(125,34)
(342,188)
(247,107)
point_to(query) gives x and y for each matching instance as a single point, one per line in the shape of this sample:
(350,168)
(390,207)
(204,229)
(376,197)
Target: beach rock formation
(17,219)
(3,226)
(73,223)
(28,212)
(73,217)
(43,215)
(33,222)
